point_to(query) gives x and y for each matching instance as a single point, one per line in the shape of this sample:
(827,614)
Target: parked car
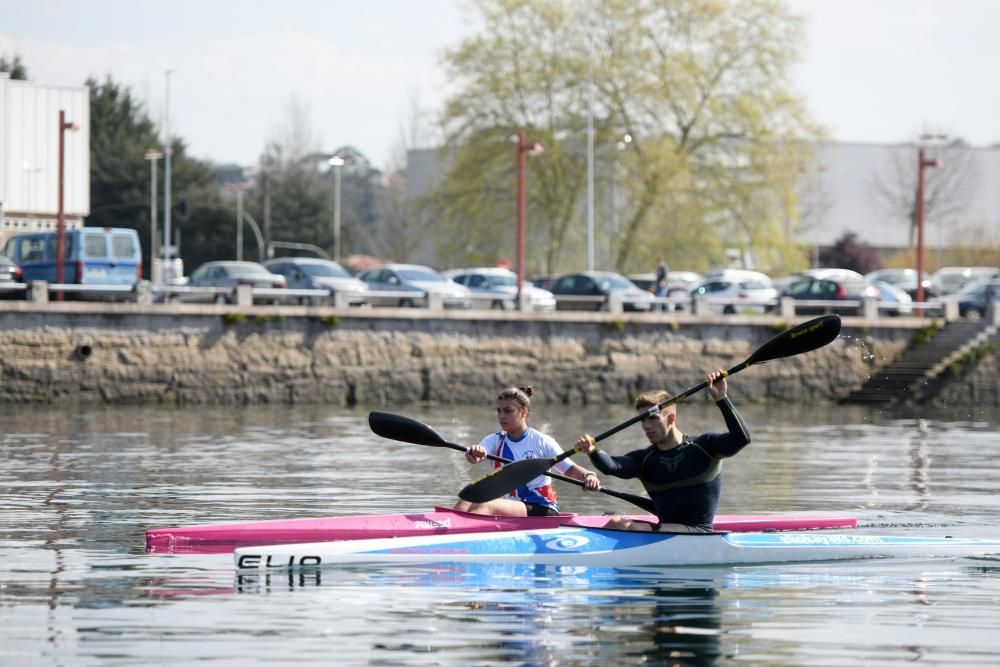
(893,300)
(729,291)
(906,280)
(92,256)
(952,279)
(679,284)
(599,285)
(227,275)
(831,290)
(10,275)
(496,287)
(319,274)
(409,285)
(973,300)
(832,273)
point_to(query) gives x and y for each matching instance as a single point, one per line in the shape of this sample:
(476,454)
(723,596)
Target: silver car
(407,285)
(496,287)
(319,274)
(228,275)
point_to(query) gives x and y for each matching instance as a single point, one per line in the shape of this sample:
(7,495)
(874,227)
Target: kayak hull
(225,537)
(599,547)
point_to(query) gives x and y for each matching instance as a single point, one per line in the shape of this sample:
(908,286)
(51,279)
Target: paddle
(804,337)
(398,427)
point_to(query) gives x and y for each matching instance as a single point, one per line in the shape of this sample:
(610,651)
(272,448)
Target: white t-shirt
(531,445)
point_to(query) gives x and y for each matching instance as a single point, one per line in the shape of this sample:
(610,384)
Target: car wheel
(173,298)
(221,299)
(498,305)
(729,310)
(406,303)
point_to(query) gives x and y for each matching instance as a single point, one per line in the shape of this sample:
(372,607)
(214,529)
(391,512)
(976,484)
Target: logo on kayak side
(256,561)
(432,523)
(567,543)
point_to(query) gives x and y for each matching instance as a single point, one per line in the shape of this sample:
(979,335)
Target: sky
(873,71)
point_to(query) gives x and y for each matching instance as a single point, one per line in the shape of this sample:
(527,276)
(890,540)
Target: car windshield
(974,289)
(613,281)
(324,270)
(245,270)
(421,275)
(502,279)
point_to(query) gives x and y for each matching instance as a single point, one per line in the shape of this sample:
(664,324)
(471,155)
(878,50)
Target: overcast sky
(878,71)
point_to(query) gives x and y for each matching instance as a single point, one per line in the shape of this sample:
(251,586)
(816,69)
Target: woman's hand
(475,454)
(717,385)
(590,481)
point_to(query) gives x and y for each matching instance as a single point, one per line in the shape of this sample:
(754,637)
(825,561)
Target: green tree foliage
(696,129)
(120,133)
(301,186)
(14,66)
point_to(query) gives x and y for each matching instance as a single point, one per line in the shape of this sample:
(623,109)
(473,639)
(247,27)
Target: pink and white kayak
(226,537)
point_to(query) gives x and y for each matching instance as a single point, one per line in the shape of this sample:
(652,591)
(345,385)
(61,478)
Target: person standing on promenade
(660,282)
(517,441)
(680,474)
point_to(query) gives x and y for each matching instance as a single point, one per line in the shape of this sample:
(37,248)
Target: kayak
(600,547)
(224,537)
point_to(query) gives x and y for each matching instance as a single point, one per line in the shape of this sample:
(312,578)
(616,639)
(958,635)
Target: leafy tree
(849,252)
(14,66)
(301,189)
(121,132)
(718,142)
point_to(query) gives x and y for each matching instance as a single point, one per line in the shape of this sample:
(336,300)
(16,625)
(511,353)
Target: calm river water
(79,488)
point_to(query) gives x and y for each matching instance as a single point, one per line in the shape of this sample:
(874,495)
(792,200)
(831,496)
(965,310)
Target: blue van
(94,256)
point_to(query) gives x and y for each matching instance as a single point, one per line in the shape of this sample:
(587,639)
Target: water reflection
(80,488)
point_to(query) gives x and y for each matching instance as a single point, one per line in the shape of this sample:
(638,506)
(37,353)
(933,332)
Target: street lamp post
(240,188)
(337,163)
(922,163)
(167,151)
(61,211)
(153,155)
(523,149)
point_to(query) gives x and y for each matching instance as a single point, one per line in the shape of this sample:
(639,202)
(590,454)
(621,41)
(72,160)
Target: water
(79,488)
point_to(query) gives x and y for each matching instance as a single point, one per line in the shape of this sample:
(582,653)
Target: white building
(29,155)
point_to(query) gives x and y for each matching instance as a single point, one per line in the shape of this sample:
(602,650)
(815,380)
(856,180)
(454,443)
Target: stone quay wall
(184,354)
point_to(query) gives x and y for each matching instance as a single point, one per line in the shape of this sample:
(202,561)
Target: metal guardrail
(245,295)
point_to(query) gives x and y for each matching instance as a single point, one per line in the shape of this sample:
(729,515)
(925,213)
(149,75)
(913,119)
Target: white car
(407,285)
(732,291)
(496,287)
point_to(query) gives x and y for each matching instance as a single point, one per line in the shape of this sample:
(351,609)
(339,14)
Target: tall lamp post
(153,155)
(61,211)
(167,152)
(523,149)
(239,188)
(337,163)
(922,163)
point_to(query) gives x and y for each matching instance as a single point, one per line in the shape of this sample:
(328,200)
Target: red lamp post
(523,149)
(61,213)
(923,163)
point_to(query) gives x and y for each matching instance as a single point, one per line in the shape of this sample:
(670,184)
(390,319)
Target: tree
(848,252)
(301,186)
(15,67)
(718,142)
(121,132)
(947,191)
